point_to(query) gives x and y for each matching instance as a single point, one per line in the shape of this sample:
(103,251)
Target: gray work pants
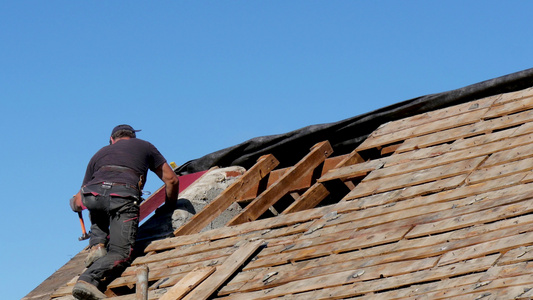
(114,214)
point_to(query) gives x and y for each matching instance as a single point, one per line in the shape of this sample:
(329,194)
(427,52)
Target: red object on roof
(158,198)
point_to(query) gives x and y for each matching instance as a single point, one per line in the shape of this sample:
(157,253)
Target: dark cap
(123,127)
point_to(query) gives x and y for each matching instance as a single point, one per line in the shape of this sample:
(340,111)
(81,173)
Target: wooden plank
(187,283)
(424,289)
(481,127)
(520,254)
(263,166)
(513,96)
(318,192)
(292,254)
(397,136)
(302,183)
(403,250)
(256,208)
(222,273)
(353,267)
(176,265)
(433,116)
(464,286)
(511,107)
(352,171)
(312,197)
(328,245)
(402,163)
(408,192)
(498,171)
(367,188)
(500,245)
(413,166)
(523,150)
(344,278)
(474,218)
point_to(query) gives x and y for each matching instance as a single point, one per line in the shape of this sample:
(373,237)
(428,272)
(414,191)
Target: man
(111,190)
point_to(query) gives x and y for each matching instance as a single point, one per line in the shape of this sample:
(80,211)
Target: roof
(435,205)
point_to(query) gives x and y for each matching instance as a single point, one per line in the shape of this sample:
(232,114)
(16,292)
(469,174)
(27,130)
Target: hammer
(84,235)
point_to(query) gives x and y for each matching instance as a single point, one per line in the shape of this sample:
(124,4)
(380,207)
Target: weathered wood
(407,192)
(474,218)
(420,248)
(263,166)
(141,287)
(299,251)
(381,185)
(312,197)
(257,207)
(520,254)
(302,183)
(405,163)
(397,136)
(521,149)
(341,279)
(222,273)
(501,245)
(511,107)
(434,116)
(352,171)
(187,283)
(318,192)
(452,134)
(513,96)
(498,171)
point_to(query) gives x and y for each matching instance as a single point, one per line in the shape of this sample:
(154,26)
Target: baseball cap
(123,127)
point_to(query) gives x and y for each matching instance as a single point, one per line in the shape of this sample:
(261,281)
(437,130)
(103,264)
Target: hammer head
(84,236)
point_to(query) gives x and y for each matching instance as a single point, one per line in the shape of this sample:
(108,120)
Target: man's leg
(99,236)
(122,233)
(99,223)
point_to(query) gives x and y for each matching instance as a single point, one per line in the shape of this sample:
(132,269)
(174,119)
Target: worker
(111,191)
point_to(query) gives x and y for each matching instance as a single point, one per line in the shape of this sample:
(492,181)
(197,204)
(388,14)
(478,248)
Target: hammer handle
(82,223)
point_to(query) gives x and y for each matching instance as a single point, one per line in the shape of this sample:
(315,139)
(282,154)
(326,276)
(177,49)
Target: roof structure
(435,205)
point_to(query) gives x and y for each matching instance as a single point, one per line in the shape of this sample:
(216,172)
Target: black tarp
(346,135)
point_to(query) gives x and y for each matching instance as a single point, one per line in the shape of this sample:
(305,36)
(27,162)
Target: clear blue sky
(199,76)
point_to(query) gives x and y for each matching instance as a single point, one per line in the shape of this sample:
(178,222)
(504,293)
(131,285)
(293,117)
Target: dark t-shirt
(136,154)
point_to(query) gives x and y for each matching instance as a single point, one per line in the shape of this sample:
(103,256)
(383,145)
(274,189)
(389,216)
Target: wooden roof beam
(257,207)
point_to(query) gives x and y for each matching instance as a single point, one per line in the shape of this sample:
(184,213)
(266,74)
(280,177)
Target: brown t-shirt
(135,154)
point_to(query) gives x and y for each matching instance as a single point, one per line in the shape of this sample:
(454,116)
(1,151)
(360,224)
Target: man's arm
(167,175)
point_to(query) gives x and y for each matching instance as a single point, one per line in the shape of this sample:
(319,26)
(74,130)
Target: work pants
(114,215)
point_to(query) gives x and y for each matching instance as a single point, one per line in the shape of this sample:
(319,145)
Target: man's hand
(168,207)
(75,203)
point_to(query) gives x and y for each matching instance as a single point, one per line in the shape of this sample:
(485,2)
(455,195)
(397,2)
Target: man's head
(122,131)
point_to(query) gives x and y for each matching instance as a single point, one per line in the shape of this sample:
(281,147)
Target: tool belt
(100,196)
(111,184)
(109,196)
(115,168)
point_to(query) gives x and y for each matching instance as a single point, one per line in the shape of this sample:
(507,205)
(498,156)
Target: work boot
(86,291)
(95,252)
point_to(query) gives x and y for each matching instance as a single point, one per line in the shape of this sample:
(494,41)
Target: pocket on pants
(93,199)
(129,229)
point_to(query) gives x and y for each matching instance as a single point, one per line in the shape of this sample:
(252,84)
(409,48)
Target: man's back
(137,155)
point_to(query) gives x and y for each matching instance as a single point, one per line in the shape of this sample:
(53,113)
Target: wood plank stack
(434,206)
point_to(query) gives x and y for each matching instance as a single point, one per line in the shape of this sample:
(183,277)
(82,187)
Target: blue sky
(199,76)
